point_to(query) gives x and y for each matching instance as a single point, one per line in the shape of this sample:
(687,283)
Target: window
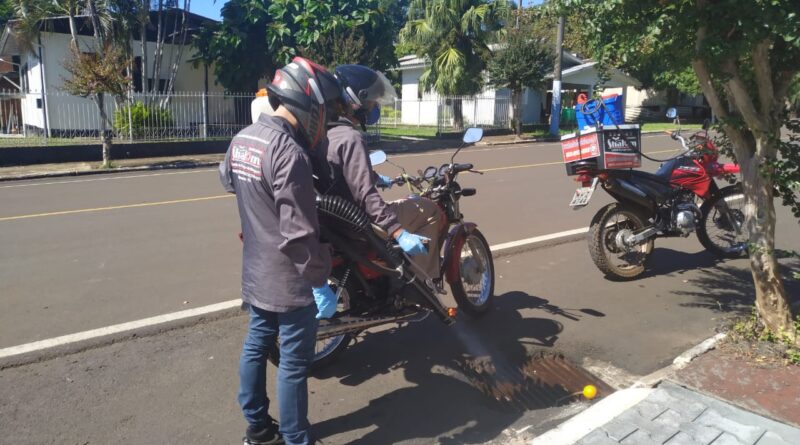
(162,85)
(137,74)
(23,77)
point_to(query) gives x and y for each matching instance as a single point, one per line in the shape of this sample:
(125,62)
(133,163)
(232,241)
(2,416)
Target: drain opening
(544,380)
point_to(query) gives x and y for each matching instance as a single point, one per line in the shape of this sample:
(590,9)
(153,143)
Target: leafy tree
(745,54)
(517,63)
(453,35)
(257,36)
(239,45)
(6,11)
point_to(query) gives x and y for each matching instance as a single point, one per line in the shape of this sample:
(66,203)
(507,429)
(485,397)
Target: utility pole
(519,11)
(555,109)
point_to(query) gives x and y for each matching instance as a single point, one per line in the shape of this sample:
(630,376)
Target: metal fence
(59,118)
(450,113)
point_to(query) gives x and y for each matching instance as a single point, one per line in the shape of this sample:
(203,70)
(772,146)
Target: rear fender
(453,244)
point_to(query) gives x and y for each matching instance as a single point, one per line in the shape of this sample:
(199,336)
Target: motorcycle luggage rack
(609,147)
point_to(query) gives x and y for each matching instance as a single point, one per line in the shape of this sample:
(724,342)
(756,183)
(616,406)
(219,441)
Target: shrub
(143,119)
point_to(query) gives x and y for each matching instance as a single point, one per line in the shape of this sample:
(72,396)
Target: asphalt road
(83,253)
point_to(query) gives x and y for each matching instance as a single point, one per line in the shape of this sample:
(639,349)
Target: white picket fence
(443,112)
(33,117)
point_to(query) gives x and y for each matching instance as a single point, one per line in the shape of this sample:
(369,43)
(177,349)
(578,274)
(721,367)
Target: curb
(63,173)
(608,408)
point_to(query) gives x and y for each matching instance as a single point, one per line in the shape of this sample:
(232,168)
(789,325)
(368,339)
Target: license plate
(583,195)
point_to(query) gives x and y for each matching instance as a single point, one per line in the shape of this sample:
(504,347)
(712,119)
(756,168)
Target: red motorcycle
(678,199)
(377,284)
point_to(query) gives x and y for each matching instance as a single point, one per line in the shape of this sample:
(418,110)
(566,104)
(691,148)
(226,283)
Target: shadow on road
(442,401)
(665,261)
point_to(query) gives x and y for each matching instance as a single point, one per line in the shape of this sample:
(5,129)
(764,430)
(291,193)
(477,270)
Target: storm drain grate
(543,381)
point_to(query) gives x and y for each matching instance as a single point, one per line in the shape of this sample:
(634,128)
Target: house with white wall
(491,107)
(40,73)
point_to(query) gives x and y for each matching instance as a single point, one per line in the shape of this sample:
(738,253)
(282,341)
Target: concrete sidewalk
(699,403)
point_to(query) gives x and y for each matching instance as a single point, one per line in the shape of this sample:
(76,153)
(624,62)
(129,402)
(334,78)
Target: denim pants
(298,332)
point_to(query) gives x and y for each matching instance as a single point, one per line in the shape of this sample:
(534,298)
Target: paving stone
(770,438)
(683,439)
(688,408)
(703,434)
(744,433)
(641,437)
(620,430)
(597,437)
(729,439)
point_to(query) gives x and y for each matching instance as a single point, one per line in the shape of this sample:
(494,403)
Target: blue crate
(596,113)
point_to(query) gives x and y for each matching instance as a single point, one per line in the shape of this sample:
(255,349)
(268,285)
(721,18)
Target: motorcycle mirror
(706,124)
(672,113)
(472,135)
(377,157)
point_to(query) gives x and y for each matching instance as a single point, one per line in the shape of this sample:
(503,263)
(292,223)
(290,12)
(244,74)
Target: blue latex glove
(412,244)
(326,301)
(384,181)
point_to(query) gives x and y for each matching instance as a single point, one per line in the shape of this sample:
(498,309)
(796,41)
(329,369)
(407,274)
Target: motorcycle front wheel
(721,229)
(329,349)
(473,288)
(612,223)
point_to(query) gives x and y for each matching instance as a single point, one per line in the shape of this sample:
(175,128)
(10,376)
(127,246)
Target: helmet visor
(380,91)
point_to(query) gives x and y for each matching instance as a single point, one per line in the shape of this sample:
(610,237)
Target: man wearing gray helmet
(268,168)
(342,166)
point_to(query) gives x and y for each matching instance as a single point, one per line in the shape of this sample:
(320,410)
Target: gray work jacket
(341,163)
(271,176)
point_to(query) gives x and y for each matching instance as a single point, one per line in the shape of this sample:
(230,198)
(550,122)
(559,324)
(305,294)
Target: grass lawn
(408,130)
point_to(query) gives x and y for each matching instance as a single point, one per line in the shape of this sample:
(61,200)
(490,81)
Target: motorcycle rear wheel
(473,288)
(603,248)
(717,231)
(329,349)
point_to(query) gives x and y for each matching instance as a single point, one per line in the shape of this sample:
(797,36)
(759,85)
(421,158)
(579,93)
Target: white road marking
(117,328)
(538,239)
(203,310)
(107,178)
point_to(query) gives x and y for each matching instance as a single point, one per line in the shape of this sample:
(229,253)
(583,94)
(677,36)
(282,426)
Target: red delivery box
(616,147)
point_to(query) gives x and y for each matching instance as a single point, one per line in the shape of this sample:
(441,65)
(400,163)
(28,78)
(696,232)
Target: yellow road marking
(207,198)
(550,163)
(127,206)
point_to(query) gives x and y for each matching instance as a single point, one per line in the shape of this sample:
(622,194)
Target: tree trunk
(105,137)
(159,49)
(516,112)
(771,300)
(458,114)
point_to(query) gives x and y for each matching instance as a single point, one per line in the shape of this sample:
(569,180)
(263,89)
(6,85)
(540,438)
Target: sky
(210,8)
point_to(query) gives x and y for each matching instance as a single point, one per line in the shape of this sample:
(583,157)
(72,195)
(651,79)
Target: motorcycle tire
(472,272)
(602,242)
(328,350)
(712,214)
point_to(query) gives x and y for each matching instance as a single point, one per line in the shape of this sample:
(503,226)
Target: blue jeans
(298,333)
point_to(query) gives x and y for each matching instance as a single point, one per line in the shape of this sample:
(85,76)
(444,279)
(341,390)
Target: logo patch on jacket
(246,162)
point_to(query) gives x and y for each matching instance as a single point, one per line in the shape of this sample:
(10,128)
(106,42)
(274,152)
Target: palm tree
(453,35)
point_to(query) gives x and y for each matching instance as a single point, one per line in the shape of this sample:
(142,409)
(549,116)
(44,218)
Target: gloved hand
(326,301)
(384,181)
(412,244)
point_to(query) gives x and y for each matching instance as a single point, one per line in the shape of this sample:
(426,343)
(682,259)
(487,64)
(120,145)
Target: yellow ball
(589,391)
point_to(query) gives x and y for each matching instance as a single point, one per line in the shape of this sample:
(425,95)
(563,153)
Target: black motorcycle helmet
(306,90)
(365,90)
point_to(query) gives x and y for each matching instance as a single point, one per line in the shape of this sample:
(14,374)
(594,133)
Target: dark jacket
(342,166)
(271,176)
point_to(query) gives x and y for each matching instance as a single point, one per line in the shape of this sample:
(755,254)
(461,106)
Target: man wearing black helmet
(343,168)
(268,169)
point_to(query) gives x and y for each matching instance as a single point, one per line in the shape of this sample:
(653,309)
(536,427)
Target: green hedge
(143,117)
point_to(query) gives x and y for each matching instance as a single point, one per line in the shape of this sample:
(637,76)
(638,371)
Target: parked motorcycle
(375,281)
(678,199)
